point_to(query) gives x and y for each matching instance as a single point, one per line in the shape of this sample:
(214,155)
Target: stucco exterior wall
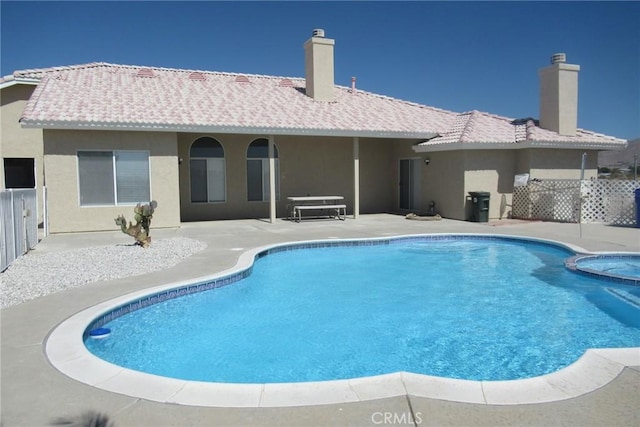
(308,166)
(378,175)
(492,171)
(558,163)
(16,142)
(442,180)
(444,183)
(61,169)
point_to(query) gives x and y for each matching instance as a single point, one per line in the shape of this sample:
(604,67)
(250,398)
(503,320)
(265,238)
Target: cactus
(139,231)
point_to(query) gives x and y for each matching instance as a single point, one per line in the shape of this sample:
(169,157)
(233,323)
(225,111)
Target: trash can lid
(479,193)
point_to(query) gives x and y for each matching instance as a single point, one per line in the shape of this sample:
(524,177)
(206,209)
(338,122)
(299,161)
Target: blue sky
(458,56)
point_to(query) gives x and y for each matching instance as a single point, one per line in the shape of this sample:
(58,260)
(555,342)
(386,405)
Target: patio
(34,393)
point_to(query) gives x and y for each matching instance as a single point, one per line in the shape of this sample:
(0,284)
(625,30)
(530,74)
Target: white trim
(11,81)
(257,130)
(571,145)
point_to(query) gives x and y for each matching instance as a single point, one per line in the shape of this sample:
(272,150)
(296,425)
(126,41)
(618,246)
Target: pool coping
(573,264)
(65,350)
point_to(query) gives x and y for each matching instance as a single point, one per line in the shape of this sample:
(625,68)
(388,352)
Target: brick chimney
(318,65)
(559,96)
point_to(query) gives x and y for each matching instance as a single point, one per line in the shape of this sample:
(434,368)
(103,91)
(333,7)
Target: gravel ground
(35,275)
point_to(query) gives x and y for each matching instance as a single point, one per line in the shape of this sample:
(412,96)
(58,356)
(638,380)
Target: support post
(272,180)
(356,177)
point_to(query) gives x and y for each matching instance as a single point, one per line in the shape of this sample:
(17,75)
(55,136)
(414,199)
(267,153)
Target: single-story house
(212,145)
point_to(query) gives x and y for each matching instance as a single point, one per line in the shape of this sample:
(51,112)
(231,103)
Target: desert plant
(142,216)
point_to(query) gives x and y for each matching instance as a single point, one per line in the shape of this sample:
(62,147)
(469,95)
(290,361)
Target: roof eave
(573,145)
(253,130)
(20,81)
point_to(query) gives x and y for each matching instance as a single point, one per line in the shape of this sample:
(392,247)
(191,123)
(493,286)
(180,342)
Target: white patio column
(356,177)
(272,179)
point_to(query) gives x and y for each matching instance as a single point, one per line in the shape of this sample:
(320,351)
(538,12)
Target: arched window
(207,171)
(258,171)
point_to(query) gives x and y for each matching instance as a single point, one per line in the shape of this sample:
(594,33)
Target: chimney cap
(317,32)
(558,58)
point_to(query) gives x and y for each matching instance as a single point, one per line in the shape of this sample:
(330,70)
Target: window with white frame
(207,171)
(113,177)
(258,171)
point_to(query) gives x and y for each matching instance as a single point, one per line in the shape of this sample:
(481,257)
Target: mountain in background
(620,158)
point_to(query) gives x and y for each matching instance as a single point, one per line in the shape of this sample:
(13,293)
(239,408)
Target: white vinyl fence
(18,225)
(573,200)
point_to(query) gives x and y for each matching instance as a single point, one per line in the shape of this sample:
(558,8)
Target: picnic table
(330,204)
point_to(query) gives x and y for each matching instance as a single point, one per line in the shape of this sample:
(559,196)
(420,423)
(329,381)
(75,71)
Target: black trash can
(637,193)
(480,206)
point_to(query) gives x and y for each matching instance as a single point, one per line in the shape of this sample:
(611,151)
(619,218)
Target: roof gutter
(586,145)
(11,81)
(252,130)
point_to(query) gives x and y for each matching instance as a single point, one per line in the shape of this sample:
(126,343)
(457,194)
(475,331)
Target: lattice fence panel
(520,204)
(609,201)
(548,200)
(603,201)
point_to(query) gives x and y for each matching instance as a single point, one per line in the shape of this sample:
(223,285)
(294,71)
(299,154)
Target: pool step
(619,304)
(625,296)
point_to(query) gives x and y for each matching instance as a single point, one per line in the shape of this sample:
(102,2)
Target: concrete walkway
(33,392)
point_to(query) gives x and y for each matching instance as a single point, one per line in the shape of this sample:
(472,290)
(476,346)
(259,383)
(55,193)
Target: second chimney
(559,96)
(318,61)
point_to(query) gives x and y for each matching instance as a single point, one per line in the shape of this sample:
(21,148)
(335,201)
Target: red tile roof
(475,129)
(128,97)
(109,96)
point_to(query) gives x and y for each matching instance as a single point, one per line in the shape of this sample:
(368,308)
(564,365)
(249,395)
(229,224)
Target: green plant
(139,231)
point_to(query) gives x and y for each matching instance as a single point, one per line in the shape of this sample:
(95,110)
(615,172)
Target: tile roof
(474,129)
(128,97)
(37,74)
(109,96)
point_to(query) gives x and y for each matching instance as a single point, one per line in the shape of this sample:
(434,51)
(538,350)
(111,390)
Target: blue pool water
(460,308)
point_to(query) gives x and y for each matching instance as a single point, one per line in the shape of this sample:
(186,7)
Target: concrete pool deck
(34,393)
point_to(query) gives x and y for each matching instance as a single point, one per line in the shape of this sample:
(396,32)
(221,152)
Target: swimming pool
(470,312)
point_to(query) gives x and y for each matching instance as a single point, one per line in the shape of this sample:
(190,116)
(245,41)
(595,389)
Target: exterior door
(409,183)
